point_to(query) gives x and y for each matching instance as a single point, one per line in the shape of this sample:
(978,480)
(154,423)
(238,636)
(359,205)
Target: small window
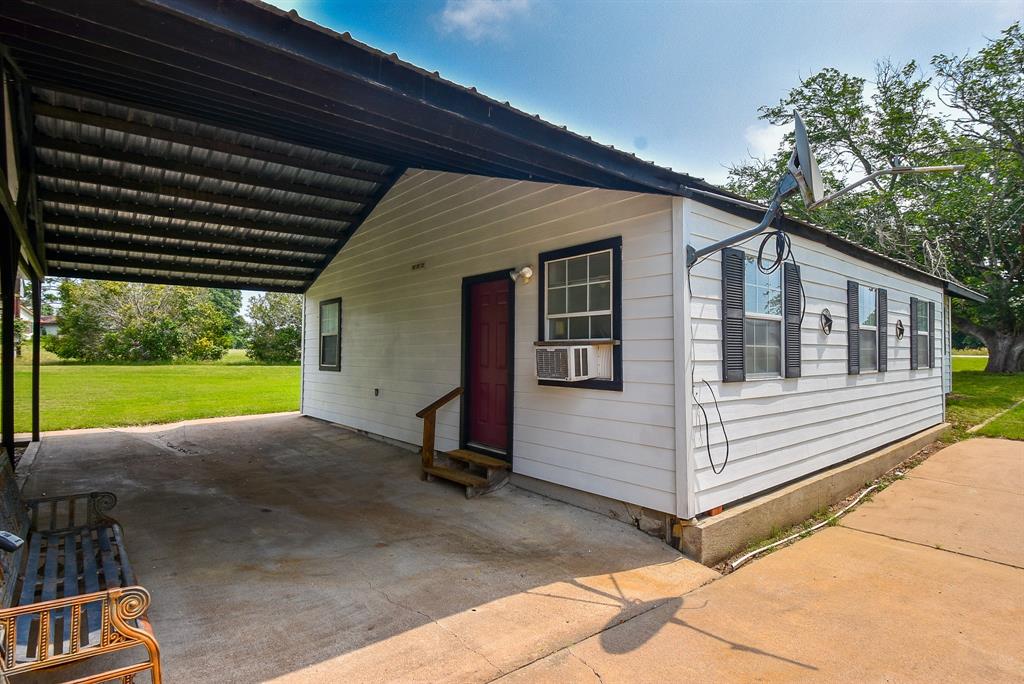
(579,297)
(330,335)
(868,305)
(762,301)
(922,337)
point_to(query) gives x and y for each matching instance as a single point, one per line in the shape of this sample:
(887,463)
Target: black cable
(693,393)
(783,253)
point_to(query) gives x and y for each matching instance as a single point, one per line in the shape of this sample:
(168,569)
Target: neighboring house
(47,325)
(421,300)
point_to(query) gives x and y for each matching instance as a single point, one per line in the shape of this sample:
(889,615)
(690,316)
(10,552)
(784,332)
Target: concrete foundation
(652,522)
(715,538)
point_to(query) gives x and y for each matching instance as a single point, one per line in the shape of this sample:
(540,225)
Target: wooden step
(460,476)
(482,460)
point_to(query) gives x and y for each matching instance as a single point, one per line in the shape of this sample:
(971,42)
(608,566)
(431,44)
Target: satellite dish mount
(802,175)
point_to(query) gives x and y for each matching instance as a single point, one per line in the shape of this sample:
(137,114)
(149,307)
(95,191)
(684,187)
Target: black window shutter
(931,334)
(791,297)
(733,342)
(913,333)
(883,330)
(853,327)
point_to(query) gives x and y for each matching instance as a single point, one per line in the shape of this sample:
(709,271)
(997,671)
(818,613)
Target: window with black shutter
(852,327)
(793,305)
(733,338)
(931,334)
(922,334)
(883,330)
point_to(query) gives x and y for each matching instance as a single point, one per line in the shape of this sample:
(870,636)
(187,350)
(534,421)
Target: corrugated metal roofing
(203,134)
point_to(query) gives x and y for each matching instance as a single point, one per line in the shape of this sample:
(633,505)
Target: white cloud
(479,19)
(763,139)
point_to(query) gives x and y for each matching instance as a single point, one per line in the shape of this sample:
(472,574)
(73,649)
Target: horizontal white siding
(781,429)
(402,328)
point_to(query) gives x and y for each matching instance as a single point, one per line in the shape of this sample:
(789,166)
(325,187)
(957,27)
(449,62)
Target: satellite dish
(803,165)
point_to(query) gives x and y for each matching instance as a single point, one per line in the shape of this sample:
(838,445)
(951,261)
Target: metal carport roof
(234,144)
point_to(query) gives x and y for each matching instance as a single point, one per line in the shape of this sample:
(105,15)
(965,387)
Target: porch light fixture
(524,274)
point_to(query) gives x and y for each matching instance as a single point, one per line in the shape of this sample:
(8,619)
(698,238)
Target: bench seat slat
(70,585)
(29,581)
(91,581)
(111,572)
(127,573)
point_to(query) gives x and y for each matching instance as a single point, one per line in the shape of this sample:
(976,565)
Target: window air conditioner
(573,363)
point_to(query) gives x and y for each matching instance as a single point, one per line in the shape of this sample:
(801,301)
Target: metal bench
(69,592)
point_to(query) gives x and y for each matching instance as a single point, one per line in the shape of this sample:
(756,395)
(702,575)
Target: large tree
(275,328)
(966,226)
(113,321)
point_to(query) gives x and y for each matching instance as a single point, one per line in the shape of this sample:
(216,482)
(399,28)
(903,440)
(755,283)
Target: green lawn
(74,395)
(977,396)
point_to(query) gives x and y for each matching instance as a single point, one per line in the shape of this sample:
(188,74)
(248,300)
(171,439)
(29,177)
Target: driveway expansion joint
(931,546)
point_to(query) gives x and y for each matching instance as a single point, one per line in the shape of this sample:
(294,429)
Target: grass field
(977,396)
(75,395)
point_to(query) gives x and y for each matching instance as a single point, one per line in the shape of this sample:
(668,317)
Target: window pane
(868,350)
(579,328)
(763,351)
(600,297)
(556,300)
(922,351)
(329,350)
(922,317)
(558,329)
(600,266)
(577,299)
(329,319)
(601,327)
(762,291)
(556,273)
(578,270)
(868,308)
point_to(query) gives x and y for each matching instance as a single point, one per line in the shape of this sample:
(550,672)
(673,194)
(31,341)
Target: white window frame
(336,366)
(610,311)
(765,375)
(923,314)
(864,327)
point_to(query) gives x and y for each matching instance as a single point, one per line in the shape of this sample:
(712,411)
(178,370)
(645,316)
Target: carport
(232,144)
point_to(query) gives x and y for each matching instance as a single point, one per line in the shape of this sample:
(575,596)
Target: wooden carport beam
(211,237)
(151,264)
(170,190)
(134,128)
(298,287)
(193,216)
(55,240)
(117,155)
(9,248)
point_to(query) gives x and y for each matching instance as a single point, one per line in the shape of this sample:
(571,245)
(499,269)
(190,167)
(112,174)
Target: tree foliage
(967,226)
(275,328)
(229,302)
(113,321)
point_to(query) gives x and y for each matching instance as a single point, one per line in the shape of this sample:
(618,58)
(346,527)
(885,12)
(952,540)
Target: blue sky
(678,83)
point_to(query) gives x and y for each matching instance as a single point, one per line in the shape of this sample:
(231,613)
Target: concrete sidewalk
(924,583)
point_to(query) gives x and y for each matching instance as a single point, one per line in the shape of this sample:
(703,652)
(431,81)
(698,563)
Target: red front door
(487,373)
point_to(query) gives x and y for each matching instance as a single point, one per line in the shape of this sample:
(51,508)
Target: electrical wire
(783,253)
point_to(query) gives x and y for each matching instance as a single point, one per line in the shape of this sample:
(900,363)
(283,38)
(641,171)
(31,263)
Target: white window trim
(872,328)
(767,317)
(922,363)
(579,314)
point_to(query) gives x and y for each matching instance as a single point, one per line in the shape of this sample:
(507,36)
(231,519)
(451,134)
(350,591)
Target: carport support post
(8,278)
(37,304)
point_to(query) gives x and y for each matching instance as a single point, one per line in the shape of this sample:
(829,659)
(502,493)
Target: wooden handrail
(433,406)
(429,416)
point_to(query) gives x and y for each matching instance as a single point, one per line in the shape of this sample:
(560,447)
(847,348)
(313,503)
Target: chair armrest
(119,607)
(47,513)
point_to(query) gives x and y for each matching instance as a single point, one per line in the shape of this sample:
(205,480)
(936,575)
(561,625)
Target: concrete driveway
(285,549)
(924,583)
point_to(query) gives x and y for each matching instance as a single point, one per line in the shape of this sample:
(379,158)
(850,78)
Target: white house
(421,300)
